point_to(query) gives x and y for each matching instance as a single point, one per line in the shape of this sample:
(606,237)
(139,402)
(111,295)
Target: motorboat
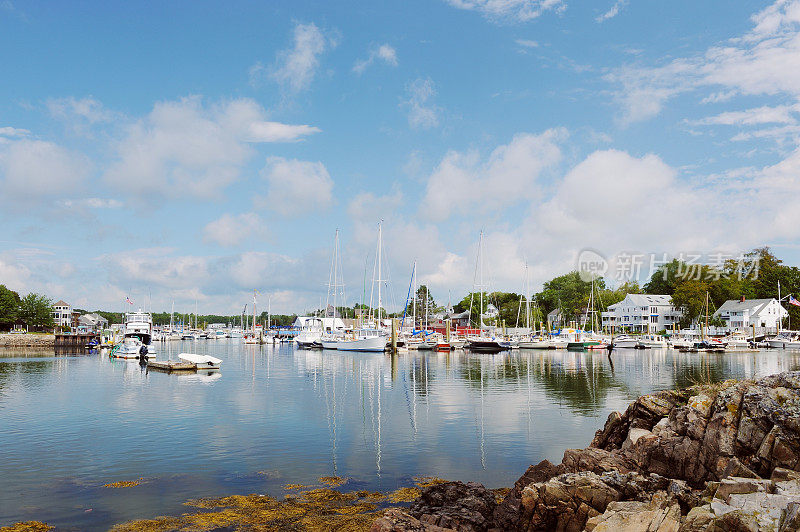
(137,336)
(201,361)
(625,341)
(784,340)
(737,341)
(653,340)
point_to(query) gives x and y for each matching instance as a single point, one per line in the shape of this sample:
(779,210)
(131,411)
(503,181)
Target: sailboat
(330,339)
(253,337)
(370,339)
(482,343)
(592,340)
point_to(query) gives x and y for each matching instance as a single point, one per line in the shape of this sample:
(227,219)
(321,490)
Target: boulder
(462,506)
(396,520)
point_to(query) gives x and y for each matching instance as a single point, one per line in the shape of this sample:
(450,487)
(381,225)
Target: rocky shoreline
(27,340)
(721,457)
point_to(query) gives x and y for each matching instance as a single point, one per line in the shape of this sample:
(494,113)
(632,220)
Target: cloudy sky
(200,150)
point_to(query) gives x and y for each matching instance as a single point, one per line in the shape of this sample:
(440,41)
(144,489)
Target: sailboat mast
(414,284)
(335,274)
(380,280)
(480,269)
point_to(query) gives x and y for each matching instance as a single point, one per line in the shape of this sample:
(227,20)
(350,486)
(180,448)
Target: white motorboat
(685,339)
(201,361)
(653,340)
(783,341)
(137,336)
(625,341)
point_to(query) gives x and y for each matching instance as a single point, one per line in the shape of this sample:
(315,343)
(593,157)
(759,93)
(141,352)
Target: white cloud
(463,184)
(34,168)
(510,10)
(526,43)
(13,132)
(92,203)
(422,112)
(183,148)
(613,11)
(295,67)
(80,114)
(14,276)
(765,61)
(229,230)
(781,114)
(278,132)
(296,187)
(384,53)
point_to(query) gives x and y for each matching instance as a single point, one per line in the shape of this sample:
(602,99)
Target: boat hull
(376,344)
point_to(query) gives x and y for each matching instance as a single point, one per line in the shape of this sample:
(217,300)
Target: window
(653,319)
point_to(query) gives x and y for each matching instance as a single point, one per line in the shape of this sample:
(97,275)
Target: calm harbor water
(275,415)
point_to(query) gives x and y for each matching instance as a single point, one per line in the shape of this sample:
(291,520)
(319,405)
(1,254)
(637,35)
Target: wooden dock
(74,340)
(170,366)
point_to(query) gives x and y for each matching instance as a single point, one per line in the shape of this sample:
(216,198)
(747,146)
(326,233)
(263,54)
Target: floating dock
(170,366)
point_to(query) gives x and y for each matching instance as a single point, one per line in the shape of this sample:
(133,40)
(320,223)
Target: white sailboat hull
(371,344)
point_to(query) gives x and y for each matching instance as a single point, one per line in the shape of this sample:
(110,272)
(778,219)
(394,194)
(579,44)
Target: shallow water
(278,415)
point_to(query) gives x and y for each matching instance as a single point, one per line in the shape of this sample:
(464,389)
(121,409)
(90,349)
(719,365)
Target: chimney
(742,299)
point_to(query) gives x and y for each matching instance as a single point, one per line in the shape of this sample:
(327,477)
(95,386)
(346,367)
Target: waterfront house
(555,319)
(643,313)
(62,314)
(93,322)
(747,313)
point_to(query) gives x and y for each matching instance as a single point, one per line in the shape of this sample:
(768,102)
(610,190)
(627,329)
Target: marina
(279,414)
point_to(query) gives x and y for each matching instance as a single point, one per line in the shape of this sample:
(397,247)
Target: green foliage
(9,307)
(36,311)
(569,293)
(424,298)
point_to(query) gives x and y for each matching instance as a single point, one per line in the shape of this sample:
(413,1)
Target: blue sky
(200,150)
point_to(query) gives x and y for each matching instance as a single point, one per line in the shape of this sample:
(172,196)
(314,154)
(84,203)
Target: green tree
(690,297)
(36,311)
(9,307)
(568,292)
(423,300)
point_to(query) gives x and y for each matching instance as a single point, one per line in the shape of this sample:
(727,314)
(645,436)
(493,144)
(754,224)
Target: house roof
(736,305)
(60,303)
(644,300)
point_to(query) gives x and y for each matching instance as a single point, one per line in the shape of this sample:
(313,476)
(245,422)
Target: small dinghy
(201,361)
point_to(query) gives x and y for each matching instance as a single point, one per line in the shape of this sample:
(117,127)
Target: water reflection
(274,415)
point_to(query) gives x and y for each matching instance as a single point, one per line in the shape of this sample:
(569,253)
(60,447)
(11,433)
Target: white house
(744,313)
(645,313)
(62,314)
(311,322)
(93,322)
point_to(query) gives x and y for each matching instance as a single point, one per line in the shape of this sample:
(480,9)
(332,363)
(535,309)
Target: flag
(793,301)
(128,300)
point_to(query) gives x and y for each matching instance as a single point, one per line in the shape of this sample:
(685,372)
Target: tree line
(755,277)
(33,310)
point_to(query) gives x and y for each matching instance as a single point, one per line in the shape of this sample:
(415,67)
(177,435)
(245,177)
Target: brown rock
(463,506)
(396,520)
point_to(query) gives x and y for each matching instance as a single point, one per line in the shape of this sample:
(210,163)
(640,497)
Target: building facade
(747,313)
(62,314)
(643,313)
